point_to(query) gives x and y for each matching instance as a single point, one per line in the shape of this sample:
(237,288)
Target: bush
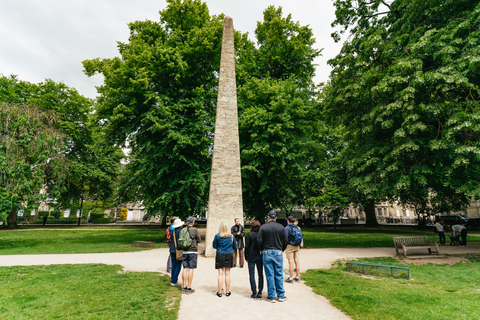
(56,214)
(73,213)
(43,213)
(123,214)
(97,215)
(57,221)
(102,220)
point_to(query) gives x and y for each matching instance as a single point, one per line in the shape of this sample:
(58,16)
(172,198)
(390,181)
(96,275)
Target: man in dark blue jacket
(173,246)
(272,239)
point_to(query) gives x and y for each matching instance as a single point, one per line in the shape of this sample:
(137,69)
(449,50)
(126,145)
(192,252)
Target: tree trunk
(12,219)
(370,217)
(164,221)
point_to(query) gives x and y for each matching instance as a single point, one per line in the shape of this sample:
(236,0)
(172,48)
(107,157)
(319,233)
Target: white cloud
(50,38)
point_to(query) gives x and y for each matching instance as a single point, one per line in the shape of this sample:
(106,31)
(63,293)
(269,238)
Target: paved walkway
(302,303)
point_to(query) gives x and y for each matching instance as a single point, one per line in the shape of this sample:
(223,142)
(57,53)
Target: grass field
(74,240)
(360,237)
(113,239)
(435,291)
(88,291)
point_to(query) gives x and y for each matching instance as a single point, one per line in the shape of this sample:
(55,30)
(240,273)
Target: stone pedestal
(225,202)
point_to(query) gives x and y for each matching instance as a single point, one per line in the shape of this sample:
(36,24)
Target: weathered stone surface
(143,244)
(225,202)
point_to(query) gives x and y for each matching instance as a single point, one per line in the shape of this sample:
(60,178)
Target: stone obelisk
(225,202)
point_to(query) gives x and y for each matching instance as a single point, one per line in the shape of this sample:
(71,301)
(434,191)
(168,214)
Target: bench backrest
(410,241)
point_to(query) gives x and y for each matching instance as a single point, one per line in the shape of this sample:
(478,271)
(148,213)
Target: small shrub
(123,214)
(97,215)
(56,214)
(102,220)
(41,214)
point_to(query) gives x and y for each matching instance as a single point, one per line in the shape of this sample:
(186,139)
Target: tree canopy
(278,114)
(406,87)
(30,157)
(159,99)
(91,166)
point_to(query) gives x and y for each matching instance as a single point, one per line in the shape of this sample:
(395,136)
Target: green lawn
(361,238)
(88,291)
(76,240)
(435,291)
(112,239)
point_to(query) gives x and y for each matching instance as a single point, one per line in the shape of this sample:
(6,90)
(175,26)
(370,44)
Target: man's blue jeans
(176,267)
(273,265)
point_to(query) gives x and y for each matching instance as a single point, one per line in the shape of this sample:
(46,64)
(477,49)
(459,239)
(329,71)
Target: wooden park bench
(414,242)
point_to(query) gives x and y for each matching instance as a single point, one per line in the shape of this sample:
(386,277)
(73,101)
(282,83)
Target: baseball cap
(272,214)
(191,219)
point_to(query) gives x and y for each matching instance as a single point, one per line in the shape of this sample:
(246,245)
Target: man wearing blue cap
(272,240)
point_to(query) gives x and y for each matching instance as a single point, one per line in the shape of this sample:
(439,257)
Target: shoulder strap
(174,239)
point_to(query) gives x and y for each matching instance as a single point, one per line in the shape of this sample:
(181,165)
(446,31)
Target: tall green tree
(31,158)
(158,99)
(93,165)
(406,87)
(278,117)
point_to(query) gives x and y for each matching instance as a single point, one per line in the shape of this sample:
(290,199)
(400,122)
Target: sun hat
(178,223)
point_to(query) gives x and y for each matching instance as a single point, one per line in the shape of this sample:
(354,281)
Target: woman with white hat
(176,264)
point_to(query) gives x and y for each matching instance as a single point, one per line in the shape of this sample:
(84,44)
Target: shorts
(223,260)
(292,251)
(189,260)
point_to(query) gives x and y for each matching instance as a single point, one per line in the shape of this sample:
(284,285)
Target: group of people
(262,250)
(187,257)
(458,230)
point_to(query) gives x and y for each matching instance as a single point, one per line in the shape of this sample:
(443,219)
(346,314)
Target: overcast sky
(42,39)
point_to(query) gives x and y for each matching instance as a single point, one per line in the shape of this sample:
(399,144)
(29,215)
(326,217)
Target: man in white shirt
(440,231)
(459,229)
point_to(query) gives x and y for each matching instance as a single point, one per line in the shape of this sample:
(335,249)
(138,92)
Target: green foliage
(41,214)
(70,220)
(30,157)
(406,88)
(278,119)
(284,50)
(98,216)
(131,295)
(276,123)
(56,214)
(93,165)
(159,97)
(450,287)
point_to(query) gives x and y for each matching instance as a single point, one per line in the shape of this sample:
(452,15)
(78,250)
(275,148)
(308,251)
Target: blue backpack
(295,236)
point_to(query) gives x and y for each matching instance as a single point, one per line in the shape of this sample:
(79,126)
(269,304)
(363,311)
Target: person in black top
(254,258)
(238,231)
(272,239)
